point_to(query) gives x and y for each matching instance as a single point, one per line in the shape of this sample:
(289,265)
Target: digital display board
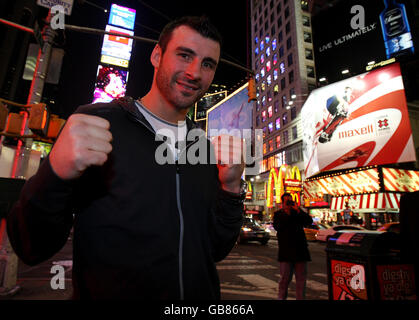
(122,17)
(117,46)
(364,31)
(360,121)
(110,84)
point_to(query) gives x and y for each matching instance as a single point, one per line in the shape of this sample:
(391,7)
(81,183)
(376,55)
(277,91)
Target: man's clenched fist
(84,141)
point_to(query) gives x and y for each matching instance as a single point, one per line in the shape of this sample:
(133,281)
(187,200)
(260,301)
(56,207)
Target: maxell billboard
(360,121)
(353,33)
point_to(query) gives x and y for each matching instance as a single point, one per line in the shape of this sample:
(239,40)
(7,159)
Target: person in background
(142,229)
(293,253)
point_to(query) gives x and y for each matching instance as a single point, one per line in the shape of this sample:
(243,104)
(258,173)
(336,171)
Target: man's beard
(167,87)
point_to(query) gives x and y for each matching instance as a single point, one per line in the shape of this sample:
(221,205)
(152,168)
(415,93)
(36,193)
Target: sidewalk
(35,282)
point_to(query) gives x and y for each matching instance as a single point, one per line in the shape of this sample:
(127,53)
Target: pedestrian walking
(293,253)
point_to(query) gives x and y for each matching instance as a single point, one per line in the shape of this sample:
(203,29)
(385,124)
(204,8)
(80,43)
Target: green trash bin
(367,265)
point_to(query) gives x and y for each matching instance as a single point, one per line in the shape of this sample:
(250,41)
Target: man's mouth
(187,86)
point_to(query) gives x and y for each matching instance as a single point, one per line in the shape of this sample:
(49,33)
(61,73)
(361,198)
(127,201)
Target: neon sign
(277,184)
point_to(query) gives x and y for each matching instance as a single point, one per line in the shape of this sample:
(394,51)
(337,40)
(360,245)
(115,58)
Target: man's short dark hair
(200,24)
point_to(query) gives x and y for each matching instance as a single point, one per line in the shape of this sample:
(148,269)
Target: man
(293,251)
(141,229)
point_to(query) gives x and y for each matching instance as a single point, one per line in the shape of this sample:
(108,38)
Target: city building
(283,60)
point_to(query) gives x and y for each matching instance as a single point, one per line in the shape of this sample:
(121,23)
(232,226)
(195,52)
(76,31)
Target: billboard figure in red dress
(338,108)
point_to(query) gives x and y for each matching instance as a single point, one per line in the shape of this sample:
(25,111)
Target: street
(249,272)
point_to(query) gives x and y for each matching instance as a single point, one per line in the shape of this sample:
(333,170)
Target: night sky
(83,50)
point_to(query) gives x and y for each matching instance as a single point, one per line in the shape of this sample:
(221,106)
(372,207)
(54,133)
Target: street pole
(8,259)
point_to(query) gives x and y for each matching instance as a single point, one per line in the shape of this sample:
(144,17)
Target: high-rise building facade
(283,59)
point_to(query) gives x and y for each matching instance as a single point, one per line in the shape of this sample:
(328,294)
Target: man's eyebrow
(190,51)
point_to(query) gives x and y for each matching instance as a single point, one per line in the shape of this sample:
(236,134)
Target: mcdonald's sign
(285,179)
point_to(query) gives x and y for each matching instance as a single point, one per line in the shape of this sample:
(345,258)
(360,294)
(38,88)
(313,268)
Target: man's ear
(156,56)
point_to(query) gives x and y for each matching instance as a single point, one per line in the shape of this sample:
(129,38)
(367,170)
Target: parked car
(325,234)
(390,227)
(253,231)
(270,227)
(312,230)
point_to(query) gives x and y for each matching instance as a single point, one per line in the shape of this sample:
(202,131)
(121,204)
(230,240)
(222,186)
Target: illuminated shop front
(371,193)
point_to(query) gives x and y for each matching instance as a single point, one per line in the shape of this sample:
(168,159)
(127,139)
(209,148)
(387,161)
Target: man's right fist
(84,141)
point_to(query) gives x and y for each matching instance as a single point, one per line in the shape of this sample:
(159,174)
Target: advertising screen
(117,46)
(363,31)
(357,122)
(122,17)
(234,112)
(110,84)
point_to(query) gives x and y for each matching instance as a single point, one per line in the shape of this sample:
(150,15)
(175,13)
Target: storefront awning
(372,201)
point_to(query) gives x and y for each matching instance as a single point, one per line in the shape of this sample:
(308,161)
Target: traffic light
(55,125)
(251,90)
(39,119)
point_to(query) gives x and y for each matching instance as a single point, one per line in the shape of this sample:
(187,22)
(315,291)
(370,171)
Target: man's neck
(162,108)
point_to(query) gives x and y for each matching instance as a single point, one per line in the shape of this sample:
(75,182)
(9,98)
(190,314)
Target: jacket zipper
(179,207)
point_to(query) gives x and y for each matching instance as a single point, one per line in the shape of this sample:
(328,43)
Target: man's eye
(184,56)
(208,65)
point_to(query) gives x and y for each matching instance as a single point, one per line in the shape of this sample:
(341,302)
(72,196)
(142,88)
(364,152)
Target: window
(263,86)
(270,127)
(262,45)
(285,118)
(292,92)
(269,80)
(273,30)
(287,28)
(262,72)
(262,58)
(279,23)
(289,43)
(309,54)
(264,148)
(264,132)
(275,59)
(276,90)
(275,74)
(278,8)
(282,67)
(291,77)
(272,17)
(271,145)
(281,52)
(294,133)
(278,142)
(285,135)
(257,78)
(276,106)
(290,60)
(256,51)
(280,37)
(270,112)
(306,21)
(268,66)
(267,39)
(310,71)
(283,84)
(257,105)
(293,113)
(304,5)
(287,12)
(263,101)
(269,94)
(307,37)
(284,101)
(273,44)
(278,123)
(263,115)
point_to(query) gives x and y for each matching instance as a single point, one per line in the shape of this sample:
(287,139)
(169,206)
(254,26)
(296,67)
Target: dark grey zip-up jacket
(141,230)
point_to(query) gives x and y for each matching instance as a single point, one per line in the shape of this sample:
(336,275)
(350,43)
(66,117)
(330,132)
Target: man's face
(186,69)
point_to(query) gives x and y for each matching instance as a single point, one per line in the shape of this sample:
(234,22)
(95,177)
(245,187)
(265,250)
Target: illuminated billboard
(110,84)
(234,112)
(376,30)
(122,17)
(117,46)
(357,122)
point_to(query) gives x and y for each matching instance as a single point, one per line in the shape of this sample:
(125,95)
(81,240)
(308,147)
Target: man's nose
(193,71)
